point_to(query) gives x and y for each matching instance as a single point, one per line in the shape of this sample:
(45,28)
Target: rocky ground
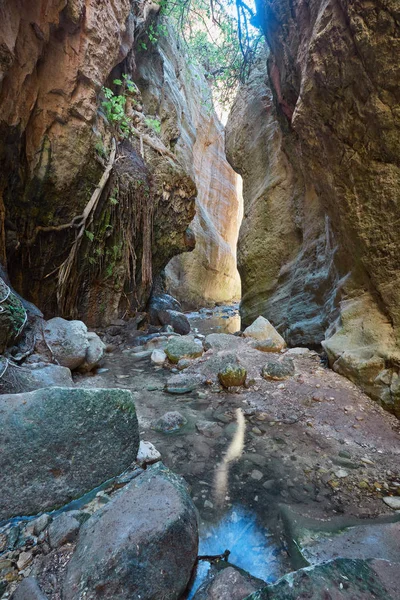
(317,476)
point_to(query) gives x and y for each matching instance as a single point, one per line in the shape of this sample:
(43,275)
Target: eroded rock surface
(314,135)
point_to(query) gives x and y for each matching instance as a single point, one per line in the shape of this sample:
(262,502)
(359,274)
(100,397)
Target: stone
(68,341)
(30,377)
(342,579)
(159,303)
(25,559)
(257,475)
(182,383)
(142,544)
(12,316)
(147,454)
(228,584)
(392,501)
(178,321)
(267,345)
(170,422)
(223,341)
(40,524)
(209,429)
(158,357)
(57,444)
(94,353)
(278,370)
(63,529)
(184,347)
(28,589)
(232,375)
(184,363)
(261,329)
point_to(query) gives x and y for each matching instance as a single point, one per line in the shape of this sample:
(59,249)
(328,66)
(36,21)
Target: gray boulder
(68,341)
(28,589)
(142,544)
(94,353)
(170,422)
(178,321)
(34,376)
(57,444)
(228,584)
(224,341)
(160,303)
(279,370)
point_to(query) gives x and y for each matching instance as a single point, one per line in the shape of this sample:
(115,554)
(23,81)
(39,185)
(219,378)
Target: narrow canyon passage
(199,300)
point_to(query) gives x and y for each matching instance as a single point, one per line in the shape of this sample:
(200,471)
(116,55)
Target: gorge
(129,197)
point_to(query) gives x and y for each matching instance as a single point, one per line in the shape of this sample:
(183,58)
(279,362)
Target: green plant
(89,235)
(115,105)
(153,123)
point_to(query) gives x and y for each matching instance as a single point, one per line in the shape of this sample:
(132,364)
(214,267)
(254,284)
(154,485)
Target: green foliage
(219,37)
(153,123)
(115,105)
(89,235)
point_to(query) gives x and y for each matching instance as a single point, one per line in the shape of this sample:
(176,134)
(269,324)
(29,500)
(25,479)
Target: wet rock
(158,357)
(261,329)
(28,589)
(147,454)
(68,341)
(278,370)
(232,375)
(178,321)
(228,584)
(170,422)
(94,353)
(160,303)
(63,529)
(341,579)
(392,501)
(142,544)
(184,347)
(12,316)
(58,443)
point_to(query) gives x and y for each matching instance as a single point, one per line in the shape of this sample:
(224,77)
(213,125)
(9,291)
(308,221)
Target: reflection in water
(222,319)
(249,543)
(234,451)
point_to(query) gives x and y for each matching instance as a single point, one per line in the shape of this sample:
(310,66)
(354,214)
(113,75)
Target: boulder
(267,345)
(142,544)
(34,376)
(278,370)
(223,341)
(232,375)
(183,347)
(94,353)
(178,321)
(170,422)
(261,329)
(57,444)
(339,579)
(68,341)
(12,316)
(160,303)
(28,589)
(183,383)
(228,584)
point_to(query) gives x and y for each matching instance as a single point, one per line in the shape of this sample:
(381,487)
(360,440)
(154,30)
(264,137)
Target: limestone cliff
(322,258)
(180,95)
(55,56)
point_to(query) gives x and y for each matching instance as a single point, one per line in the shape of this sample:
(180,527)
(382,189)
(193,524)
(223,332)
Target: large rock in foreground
(56,444)
(143,544)
(339,579)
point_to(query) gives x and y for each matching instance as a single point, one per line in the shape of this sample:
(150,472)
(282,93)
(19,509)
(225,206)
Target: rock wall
(319,244)
(180,95)
(55,55)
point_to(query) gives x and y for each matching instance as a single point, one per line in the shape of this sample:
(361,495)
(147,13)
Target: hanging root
(84,219)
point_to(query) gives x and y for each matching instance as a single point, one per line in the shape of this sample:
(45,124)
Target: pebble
(257,431)
(208,504)
(341,473)
(256,474)
(392,501)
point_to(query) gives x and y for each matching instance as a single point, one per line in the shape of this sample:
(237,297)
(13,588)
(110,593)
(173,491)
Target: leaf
(90,235)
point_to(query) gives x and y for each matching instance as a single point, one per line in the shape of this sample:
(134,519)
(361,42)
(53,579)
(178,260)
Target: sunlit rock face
(321,172)
(55,56)
(181,96)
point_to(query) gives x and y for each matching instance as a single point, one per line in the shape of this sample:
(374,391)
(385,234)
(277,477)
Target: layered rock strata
(314,135)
